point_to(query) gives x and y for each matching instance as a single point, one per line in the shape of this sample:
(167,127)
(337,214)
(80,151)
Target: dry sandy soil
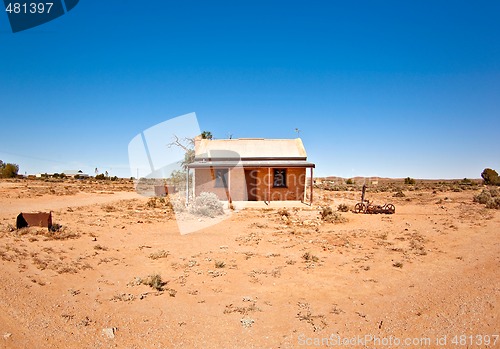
(259,279)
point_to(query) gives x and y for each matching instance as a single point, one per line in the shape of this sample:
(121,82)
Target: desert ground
(118,274)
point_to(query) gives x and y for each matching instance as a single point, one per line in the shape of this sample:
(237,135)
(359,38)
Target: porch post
(305,186)
(187,186)
(269,185)
(312,185)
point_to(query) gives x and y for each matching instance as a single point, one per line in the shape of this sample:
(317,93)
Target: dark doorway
(251,181)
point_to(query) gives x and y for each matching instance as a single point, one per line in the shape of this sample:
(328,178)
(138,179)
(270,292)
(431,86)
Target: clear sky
(377,88)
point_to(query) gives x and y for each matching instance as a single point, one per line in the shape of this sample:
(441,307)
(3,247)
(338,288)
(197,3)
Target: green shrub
(490,177)
(8,170)
(349,181)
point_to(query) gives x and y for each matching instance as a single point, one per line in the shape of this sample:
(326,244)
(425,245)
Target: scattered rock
(7,335)
(109,332)
(247,322)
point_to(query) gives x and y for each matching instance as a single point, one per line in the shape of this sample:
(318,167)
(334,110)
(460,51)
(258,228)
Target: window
(221,178)
(279,180)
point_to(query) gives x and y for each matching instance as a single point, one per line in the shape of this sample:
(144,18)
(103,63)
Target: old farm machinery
(366,206)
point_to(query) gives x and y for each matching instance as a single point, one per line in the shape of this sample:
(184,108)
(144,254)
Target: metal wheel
(390,208)
(359,208)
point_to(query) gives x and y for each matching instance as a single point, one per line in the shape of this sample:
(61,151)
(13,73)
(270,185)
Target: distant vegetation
(409,180)
(8,170)
(102,176)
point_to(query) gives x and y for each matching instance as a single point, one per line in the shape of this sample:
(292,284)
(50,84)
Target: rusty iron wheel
(390,208)
(359,208)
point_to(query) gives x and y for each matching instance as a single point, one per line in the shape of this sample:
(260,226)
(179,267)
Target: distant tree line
(8,170)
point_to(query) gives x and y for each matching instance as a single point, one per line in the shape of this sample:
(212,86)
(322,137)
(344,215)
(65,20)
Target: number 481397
(41,7)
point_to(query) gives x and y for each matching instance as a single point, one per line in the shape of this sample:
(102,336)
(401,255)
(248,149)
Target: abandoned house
(252,169)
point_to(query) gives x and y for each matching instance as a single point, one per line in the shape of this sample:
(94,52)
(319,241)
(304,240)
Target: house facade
(252,169)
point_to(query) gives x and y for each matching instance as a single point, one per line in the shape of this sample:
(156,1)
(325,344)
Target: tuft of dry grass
(397,265)
(343,208)
(154,281)
(330,216)
(309,257)
(159,254)
(220,264)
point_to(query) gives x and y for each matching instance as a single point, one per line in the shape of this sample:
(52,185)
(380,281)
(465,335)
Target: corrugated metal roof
(251,163)
(250,148)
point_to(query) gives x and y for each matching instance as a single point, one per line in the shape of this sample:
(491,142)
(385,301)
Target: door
(251,181)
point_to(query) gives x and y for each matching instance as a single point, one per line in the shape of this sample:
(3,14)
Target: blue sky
(377,88)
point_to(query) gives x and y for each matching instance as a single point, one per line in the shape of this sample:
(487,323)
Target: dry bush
(57,232)
(159,254)
(154,281)
(207,204)
(108,208)
(399,194)
(283,212)
(160,202)
(489,197)
(342,208)
(397,265)
(330,216)
(220,264)
(309,257)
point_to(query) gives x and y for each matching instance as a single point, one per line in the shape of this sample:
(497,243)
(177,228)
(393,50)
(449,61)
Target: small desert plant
(159,254)
(409,180)
(397,265)
(157,202)
(207,204)
(220,264)
(328,215)
(399,194)
(349,181)
(309,257)
(178,203)
(283,212)
(342,208)
(154,281)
